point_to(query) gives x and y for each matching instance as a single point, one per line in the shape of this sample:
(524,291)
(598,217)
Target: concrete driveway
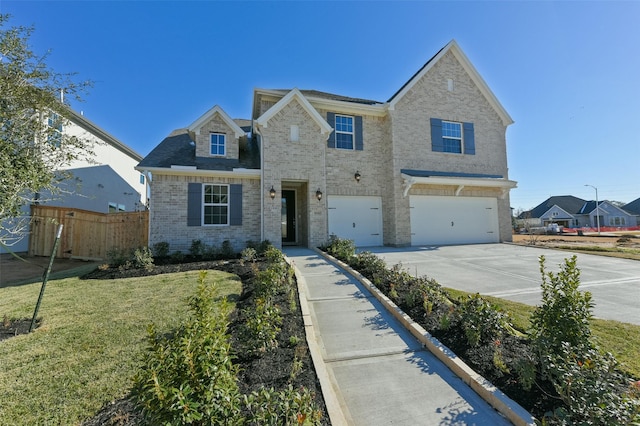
(512,272)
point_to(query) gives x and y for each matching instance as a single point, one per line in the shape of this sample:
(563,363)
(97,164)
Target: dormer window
(217,146)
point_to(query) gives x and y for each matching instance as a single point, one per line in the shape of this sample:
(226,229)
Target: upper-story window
(452,137)
(344,132)
(217,146)
(55,136)
(216,205)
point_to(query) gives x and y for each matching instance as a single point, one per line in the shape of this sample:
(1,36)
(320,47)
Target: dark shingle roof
(633,207)
(178,149)
(332,96)
(568,203)
(588,207)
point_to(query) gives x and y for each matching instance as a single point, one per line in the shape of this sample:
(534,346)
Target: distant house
(427,166)
(109,183)
(633,208)
(572,212)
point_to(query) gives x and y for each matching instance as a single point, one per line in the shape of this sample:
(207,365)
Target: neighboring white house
(109,183)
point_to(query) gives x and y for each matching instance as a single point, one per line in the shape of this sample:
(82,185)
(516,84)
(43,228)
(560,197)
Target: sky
(568,72)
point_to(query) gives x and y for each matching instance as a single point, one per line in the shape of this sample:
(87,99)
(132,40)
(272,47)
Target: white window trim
(352,132)
(227,204)
(224,147)
(461,138)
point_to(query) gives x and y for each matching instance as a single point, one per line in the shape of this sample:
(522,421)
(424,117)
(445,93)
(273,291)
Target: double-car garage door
(437,220)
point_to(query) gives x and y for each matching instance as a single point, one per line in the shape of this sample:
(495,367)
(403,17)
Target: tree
(33,148)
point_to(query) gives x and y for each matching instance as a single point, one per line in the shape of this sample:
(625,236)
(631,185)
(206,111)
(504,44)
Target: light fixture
(272,193)
(357,176)
(597,208)
(319,194)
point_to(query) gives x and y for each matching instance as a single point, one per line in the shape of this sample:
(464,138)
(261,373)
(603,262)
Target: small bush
(161,249)
(341,248)
(249,254)
(189,377)
(143,258)
(197,249)
(288,407)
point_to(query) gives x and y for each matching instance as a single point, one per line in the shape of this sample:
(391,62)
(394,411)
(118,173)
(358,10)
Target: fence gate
(86,235)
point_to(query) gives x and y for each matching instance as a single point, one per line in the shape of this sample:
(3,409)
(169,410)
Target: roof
(178,149)
(633,207)
(453,47)
(568,203)
(196,125)
(588,207)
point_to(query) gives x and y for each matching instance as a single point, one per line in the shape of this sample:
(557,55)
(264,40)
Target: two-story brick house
(428,166)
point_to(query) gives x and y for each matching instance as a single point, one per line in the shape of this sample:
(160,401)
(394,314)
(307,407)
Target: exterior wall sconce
(272,193)
(319,194)
(357,176)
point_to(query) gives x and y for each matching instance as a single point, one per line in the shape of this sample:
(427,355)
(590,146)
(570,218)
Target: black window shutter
(358,130)
(194,204)
(436,135)
(235,205)
(469,139)
(331,119)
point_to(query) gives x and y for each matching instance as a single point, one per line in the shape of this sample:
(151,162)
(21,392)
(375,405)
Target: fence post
(46,277)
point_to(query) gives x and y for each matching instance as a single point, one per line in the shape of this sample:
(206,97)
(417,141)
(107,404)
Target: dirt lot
(630,241)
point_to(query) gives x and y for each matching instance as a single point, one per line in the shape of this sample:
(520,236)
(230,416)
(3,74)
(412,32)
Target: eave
(459,182)
(192,171)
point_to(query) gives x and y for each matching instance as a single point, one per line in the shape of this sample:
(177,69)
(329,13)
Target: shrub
(118,257)
(262,326)
(588,383)
(287,407)
(340,248)
(226,251)
(249,254)
(197,248)
(143,258)
(189,377)
(161,249)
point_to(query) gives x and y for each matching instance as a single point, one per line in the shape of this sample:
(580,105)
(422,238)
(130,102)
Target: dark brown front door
(288,217)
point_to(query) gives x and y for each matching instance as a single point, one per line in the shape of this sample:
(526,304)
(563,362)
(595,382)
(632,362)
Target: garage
(356,218)
(440,220)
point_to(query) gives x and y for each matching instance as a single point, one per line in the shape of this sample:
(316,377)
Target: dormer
(216,135)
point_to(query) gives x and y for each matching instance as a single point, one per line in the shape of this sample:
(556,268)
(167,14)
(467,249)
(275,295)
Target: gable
(210,115)
(294,96)
(453,48)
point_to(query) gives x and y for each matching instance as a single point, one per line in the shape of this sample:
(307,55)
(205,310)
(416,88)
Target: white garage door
(453,220)
(356,218)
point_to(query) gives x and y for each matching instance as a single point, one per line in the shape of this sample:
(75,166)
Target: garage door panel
(356,218)
(437,220)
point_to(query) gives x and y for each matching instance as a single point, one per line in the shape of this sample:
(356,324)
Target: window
(55,134)
(616,221)
(142,179)
(452,137)
(344,132)
(115,207)
(217,144)
(216,205)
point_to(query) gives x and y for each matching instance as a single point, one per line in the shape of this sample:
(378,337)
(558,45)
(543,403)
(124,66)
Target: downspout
(149,177)
(256,128)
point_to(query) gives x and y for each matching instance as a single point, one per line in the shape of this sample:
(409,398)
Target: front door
(288,216)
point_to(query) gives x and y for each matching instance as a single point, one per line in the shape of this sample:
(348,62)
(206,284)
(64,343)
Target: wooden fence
(86,235)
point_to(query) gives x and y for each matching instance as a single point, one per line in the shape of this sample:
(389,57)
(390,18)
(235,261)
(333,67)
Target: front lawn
(90,342)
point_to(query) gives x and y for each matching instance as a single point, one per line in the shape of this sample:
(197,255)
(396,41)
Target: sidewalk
(373,371)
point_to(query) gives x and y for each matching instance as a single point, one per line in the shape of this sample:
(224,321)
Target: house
(572,212)
(106,183)
(426,167)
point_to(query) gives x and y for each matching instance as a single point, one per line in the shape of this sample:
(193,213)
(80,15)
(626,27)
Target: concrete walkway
(373,371)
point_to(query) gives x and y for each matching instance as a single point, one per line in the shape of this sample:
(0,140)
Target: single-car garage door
(437,220)
(356,218)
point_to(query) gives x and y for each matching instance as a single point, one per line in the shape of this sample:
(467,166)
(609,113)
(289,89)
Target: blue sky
(567,72)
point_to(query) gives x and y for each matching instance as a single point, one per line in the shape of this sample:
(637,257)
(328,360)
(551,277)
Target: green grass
(621,339)
(88,347)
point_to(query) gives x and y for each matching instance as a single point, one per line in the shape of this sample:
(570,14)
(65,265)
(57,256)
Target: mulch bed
(271,369)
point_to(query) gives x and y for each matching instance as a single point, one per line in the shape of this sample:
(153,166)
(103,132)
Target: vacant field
(625,246)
